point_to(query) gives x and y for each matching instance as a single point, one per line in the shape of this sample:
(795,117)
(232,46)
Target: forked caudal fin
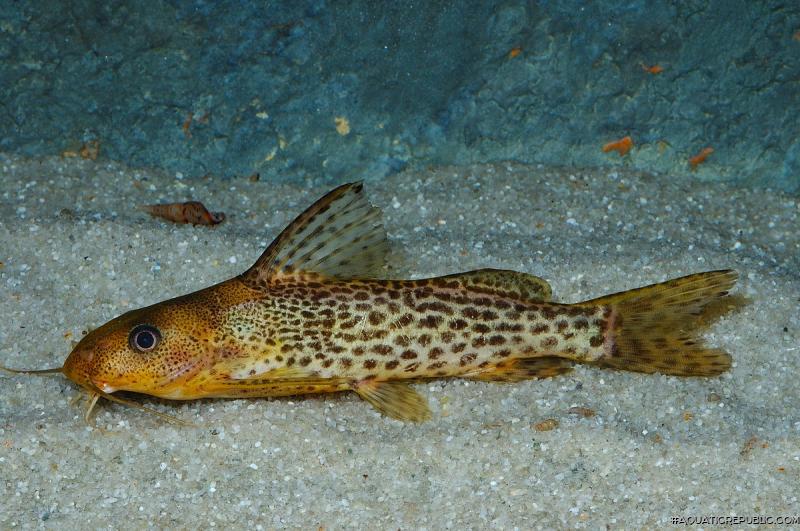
(656,328)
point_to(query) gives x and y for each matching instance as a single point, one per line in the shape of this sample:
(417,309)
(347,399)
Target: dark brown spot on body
(466,359)
(435,307)
(497,340)
(481,328)
(458,324)
(376,318)
(541,328)
(549,342)
(383,350)
(482,301)
(435,353)
(470,313)
(430,321)
(402,341)
(402,321)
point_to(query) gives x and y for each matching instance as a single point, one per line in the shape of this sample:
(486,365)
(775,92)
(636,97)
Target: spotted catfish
(315,314)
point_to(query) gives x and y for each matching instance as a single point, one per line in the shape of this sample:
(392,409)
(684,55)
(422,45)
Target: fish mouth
(104,387)
(97,390)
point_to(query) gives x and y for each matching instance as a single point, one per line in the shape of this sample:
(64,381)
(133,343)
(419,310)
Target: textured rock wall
(309,89)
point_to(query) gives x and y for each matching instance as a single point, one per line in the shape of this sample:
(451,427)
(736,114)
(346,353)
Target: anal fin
(394,399)
(518,369)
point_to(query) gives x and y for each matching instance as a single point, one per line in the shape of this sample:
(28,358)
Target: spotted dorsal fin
(505,283)
(341,236)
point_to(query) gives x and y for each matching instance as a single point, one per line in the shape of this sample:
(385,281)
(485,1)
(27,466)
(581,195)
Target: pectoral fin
(394,399)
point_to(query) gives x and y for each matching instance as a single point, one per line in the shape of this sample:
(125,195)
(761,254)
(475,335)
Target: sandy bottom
(75,252)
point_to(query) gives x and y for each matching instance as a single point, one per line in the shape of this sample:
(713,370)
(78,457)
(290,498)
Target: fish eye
(144,338)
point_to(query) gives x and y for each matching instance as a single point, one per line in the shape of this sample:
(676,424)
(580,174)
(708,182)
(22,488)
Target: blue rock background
(233,87)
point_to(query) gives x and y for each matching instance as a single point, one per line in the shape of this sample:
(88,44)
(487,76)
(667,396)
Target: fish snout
(78,366)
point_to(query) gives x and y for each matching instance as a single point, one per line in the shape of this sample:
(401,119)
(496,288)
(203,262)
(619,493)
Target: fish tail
(656,328)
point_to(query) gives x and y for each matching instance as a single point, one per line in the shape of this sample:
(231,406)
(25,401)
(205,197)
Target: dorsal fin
(513,284)
(341,236)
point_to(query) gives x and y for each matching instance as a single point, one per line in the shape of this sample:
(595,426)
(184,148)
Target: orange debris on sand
(193,212)
(584,412)
(514,52)
(796,35)
(90,150)
(621,146)
(187,124)
(654,69)
(700,157)
(546,425)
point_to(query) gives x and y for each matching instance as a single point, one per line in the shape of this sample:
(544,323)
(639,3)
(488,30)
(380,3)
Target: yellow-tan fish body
(314,315)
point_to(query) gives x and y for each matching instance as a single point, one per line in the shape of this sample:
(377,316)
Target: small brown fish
(193,212)
(315,314)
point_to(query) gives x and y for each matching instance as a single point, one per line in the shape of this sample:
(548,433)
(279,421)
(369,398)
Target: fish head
(150,350)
